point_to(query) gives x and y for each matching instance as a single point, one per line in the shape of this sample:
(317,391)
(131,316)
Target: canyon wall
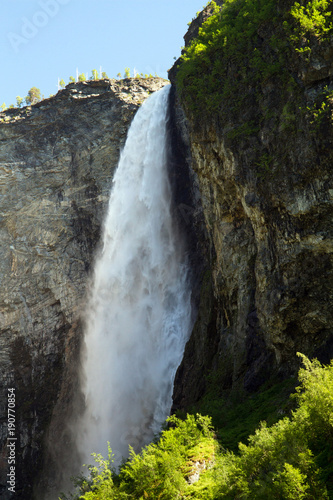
(57,160)
(252,182)
(264,172)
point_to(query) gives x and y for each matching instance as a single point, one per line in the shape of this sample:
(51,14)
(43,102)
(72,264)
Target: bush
(227,40)
(241,46)
(289,460)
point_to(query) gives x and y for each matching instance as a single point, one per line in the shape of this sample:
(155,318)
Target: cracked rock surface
(57,159)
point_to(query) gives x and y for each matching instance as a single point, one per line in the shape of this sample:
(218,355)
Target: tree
(33,96)
(94,74)
(62,84)
(119,75)
(127,73)
(71,79)
(3,106)
(19,101)
(104,75)
(82,77)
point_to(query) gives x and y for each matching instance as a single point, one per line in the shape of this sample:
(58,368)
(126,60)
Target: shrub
(288,460)
(242,45)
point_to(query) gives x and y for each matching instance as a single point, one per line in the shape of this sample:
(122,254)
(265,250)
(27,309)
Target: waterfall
(138,316)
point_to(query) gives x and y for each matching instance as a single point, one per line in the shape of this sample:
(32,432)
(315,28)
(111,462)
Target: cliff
(257,117)
(251,124)
(57,160)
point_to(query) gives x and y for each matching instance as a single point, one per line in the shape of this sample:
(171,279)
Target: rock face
(267,198)
(57,159)
(254,194)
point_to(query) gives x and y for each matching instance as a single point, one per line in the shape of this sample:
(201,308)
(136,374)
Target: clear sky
(43,40)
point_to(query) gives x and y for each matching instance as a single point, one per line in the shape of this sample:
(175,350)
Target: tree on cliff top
(94,74)
(33,96)
(19,101)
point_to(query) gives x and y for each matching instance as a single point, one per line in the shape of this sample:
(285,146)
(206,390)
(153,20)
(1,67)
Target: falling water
(138,317)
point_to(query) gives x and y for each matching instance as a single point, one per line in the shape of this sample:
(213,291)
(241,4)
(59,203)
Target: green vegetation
(236,416)
(240,48)
(94,74)
(312,19)
(160,470)
(322,108)
(248,72)
(34,94)
(19,101)
(226,55)
(291,459)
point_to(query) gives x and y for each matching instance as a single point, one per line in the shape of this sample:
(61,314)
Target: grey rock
(268,207)
(57,159)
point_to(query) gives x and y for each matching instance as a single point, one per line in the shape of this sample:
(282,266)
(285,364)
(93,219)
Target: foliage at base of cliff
(292,459)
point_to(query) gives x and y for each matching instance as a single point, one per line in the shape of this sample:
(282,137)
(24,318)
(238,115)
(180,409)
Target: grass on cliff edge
(291,459)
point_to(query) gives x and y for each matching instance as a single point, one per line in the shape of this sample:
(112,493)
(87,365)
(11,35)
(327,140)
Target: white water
(138,318)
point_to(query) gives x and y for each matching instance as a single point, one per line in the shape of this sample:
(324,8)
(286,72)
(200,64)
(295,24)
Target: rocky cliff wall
(57,159)
(265,177)
(254,193)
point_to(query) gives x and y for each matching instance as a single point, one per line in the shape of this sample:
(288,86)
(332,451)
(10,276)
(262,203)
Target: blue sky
(43,40)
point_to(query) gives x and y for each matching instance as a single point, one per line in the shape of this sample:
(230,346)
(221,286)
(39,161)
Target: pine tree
(33,96)
(19,101)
